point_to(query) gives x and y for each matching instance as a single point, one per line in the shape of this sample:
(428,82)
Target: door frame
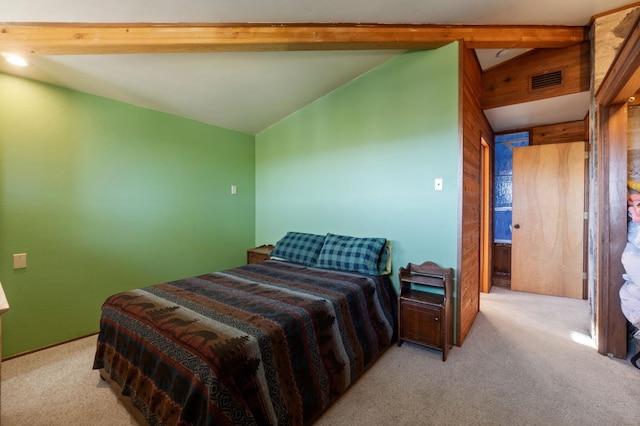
(485,216)
(619,85)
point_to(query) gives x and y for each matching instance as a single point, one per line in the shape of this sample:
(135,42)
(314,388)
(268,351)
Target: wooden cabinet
(501,265)
(259,254)
(425,314)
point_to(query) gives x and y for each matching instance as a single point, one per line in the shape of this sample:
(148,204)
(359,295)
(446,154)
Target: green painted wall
(105,196)
(362,161)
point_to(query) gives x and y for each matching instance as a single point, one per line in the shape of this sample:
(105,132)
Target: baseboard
(47,347)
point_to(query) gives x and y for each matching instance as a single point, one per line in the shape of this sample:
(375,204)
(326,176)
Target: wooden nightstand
(259,254)
(423,317)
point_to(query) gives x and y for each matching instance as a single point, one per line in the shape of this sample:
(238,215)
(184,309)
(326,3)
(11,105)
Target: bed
(269,343)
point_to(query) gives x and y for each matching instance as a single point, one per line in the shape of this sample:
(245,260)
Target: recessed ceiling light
(16,60)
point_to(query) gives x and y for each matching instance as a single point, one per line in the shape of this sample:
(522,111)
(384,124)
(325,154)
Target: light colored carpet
(526,361)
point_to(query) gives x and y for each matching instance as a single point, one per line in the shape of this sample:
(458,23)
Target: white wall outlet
(438,184)
(20,261)
(234,189)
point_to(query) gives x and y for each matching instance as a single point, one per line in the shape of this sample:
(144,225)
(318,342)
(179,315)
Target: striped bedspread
(269,343)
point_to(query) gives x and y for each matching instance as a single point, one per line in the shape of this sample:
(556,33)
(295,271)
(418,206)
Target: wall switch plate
(234,189)
(438,184)
(20,261)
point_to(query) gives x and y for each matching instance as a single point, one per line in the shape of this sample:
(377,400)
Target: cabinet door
(420,323)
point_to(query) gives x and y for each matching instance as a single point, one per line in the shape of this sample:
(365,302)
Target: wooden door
(548,216)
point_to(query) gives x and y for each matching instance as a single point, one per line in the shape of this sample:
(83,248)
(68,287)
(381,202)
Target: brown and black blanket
(271,343)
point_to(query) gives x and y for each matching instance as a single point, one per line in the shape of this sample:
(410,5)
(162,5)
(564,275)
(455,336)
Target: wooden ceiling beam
(78,39)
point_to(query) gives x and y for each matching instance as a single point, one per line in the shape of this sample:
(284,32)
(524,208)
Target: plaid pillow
(298,247)
(351,254)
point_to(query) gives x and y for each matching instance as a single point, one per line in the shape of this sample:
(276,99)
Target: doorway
(502,177)
(620,84)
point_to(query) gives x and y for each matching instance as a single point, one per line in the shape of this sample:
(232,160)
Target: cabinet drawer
(420,323)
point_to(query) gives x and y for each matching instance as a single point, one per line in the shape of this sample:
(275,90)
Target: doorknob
(516,226)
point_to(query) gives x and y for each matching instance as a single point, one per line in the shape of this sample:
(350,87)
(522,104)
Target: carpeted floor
(527,361)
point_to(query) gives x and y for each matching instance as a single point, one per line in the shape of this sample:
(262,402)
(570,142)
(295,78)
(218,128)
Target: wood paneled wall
(507,84)
(571,131)
(474,126)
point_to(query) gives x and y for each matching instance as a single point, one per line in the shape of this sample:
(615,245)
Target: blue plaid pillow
(298,247)
(351,254)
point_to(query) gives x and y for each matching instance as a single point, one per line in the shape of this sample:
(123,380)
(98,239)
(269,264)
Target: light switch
(234,189)
(438,184)
(20,261)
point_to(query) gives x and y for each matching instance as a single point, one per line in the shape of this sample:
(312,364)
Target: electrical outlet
(20,261)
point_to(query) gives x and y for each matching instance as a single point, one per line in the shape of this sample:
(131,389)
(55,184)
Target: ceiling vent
(549,79)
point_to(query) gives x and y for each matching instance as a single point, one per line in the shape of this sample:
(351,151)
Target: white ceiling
(519,12)
(250,91)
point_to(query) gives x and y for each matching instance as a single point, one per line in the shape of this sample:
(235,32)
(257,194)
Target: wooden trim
(457,338)
(486,239)
(587,192)
(617,86)
(612,223)
(585,224)
(107,38)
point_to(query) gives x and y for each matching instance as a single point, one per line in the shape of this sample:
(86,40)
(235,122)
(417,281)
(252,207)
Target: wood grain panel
(76,39)
(509,83)
(474,126)
(548,205)
(612,238)
(572,131)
